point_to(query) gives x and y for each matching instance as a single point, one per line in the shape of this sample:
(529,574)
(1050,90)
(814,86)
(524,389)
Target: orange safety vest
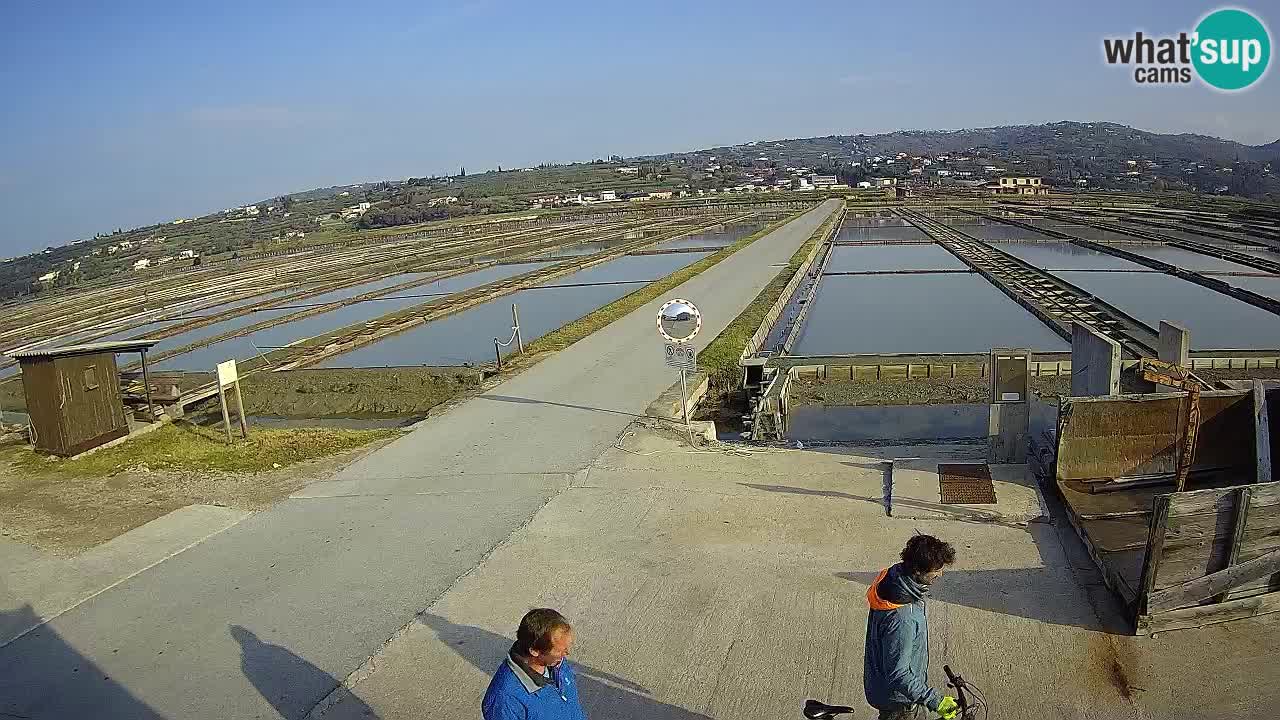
(874,600)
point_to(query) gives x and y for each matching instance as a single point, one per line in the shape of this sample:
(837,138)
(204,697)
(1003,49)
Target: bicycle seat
(815,710)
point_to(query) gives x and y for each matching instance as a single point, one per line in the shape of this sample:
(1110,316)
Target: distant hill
(1065,139)
(1097,156)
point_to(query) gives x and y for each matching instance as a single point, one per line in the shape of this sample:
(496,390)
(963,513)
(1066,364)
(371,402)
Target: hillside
(1100,140)
(1067,154)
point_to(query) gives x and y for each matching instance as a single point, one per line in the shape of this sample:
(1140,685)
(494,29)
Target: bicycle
(816,710)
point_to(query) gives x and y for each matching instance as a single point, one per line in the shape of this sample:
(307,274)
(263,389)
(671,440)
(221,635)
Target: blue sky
(124,114)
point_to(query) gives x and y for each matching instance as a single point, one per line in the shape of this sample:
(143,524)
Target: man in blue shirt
(896,662)
(534,681)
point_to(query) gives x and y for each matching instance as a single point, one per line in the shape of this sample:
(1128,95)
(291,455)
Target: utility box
(1008,429)
(1010,375)
(73,395)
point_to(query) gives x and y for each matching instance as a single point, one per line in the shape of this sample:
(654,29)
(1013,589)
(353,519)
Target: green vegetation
(358,392)
(591,322)
(720,358)
(189,447)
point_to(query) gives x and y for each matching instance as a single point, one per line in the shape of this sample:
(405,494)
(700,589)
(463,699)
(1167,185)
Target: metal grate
(966,484)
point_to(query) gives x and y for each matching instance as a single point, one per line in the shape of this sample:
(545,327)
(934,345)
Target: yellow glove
(948,709)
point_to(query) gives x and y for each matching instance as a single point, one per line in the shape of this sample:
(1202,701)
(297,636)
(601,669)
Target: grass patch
(591,322)
(181,446)
(355,392)
(720,358)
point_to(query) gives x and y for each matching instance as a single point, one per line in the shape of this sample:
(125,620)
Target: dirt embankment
(356,393)
(917,391)
(67,506)
(961,390)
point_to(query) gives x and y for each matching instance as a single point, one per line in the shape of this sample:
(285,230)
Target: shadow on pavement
(1049,594)
(603,695)
(530,401)
(42,677)
(290,683)
(948,512)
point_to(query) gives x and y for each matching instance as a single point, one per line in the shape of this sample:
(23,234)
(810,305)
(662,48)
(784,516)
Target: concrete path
(50,585)
(732,586)
(264,619)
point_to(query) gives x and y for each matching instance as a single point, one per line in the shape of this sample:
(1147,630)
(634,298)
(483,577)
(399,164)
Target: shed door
(92,395)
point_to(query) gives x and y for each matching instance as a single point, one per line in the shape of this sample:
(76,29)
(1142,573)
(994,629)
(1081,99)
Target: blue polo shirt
(513,695)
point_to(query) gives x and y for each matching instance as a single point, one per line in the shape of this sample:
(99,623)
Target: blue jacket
(896,661)
(513,695)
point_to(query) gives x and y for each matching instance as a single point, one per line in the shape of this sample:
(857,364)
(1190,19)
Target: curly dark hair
(926,553)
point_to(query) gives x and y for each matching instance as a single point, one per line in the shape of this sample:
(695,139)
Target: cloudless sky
(129,113)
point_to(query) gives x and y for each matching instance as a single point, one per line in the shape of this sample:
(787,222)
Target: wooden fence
(1211,556)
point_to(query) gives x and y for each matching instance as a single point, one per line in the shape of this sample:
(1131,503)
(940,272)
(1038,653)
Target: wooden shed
(73,394)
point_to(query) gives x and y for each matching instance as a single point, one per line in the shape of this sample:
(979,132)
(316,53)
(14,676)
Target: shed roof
(87,349)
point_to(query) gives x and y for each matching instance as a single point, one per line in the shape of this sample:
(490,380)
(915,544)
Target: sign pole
(244,421)
(228,376)
(678,322)
(684,405)
(226,417)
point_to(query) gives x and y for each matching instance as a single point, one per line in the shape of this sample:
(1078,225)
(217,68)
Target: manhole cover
(967,484)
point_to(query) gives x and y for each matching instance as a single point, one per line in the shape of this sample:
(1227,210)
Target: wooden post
(1242,497)
(146,384)
(515,324)
(226,417)
(1155,548)
(244,421)
(497,352)
(1262,431)
(1188,452)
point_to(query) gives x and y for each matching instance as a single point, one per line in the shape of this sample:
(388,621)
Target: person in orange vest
(896,660)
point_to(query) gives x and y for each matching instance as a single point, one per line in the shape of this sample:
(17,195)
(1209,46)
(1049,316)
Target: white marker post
(229,376)
(678,322)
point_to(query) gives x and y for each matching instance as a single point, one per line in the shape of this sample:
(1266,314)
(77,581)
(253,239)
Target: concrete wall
(1095,363)
(1175,344)
(887,423)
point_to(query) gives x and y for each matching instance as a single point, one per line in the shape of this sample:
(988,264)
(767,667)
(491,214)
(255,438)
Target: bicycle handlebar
(957,682)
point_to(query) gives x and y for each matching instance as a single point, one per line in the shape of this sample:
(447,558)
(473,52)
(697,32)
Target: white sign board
(681,356)
(227,373)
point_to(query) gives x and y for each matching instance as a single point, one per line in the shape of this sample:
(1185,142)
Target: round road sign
(679,320)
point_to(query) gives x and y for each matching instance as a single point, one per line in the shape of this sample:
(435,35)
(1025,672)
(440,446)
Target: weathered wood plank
(1202,615)
(1112,571)
(1242,513)
(1249,589)
(1200,501)
(1262,431)
(1117,534)
(1193,591)
(1125,435)
(1196,545)
(1155,548)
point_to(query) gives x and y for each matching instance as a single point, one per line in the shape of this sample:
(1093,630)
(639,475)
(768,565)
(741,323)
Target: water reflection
(467,337)
(287,333)
(917,314)
(1216,321)
(863,258)
(1065,256)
